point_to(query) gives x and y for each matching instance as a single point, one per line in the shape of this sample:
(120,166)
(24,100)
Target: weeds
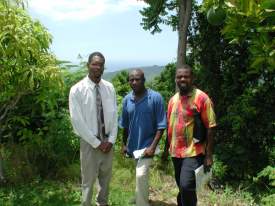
(163,190)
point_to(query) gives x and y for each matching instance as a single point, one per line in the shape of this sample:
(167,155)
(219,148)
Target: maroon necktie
(100,115)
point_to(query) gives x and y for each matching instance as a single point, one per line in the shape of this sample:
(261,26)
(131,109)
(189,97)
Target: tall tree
(28,70)
(175,13)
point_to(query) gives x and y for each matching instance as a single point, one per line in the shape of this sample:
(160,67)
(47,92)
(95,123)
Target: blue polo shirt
(142,118)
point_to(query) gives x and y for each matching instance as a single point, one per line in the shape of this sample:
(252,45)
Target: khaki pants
(142,181)
(95,165)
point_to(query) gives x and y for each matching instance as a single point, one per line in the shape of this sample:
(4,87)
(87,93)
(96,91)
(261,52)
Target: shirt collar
(91,83)
(132,97)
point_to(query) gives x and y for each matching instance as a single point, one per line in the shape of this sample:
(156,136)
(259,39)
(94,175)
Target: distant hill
(150,72)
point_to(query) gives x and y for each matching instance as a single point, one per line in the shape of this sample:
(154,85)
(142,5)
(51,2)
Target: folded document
(202,178)
(140,153)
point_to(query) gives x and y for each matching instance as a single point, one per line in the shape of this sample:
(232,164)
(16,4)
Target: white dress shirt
(82,104)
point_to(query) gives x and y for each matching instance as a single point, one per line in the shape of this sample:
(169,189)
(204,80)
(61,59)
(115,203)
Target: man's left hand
(208,161)
(108,147)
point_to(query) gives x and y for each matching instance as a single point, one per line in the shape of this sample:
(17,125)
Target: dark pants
(185,178)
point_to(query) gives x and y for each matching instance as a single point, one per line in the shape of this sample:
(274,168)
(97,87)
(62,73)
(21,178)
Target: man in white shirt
(93,111)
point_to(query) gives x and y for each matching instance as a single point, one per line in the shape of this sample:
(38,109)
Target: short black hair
(185,66)
(95,54)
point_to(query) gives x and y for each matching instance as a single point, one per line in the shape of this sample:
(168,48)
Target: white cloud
(61,10)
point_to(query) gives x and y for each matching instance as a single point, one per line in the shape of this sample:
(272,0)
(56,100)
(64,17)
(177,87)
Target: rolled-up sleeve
(124,121)
(208,114)
(79,125)
(160,113)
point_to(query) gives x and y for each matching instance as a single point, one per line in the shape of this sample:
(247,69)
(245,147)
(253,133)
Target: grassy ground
(162,191)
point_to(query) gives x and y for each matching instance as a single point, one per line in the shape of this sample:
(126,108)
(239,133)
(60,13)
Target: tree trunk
(185,7)
(2,178)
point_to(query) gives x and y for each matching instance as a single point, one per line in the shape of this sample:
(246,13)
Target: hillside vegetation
(150,72)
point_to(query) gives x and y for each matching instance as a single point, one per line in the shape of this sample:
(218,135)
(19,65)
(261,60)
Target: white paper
(140,153)
(201,177)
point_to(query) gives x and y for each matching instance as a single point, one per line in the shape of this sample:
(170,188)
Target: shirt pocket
(147,108)
(88,105)
(147,111)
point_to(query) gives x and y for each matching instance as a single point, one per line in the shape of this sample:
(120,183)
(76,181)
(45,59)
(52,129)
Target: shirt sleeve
(169,110)
(208,114)
(169,129)
(78,122)
(160,113)
(113,132)
(124,119)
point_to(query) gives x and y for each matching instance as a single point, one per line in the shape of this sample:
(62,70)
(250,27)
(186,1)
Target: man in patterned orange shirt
(188,154)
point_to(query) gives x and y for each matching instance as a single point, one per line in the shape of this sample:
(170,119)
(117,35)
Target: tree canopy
(26,64)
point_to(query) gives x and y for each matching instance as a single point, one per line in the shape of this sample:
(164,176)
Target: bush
(42,152)
(219,169)
(268,200)
(57,148)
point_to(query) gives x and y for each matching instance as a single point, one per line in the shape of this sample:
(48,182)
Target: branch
(10,106)
(152,15)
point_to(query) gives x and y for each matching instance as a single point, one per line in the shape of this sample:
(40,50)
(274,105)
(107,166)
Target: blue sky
(110,26)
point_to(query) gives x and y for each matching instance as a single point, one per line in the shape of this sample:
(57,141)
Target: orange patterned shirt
(181,122)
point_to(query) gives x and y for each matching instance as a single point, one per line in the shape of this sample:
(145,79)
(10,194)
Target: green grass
(48,193)
(163,190)
(225,197)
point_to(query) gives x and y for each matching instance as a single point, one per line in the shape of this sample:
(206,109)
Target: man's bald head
(138,72)
(137,81)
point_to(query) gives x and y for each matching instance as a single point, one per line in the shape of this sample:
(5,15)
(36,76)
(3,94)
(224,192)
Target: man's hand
(123,150)
(105,146)
(149,151)
(165,155)
(108,147)
(102,146)
(208,161)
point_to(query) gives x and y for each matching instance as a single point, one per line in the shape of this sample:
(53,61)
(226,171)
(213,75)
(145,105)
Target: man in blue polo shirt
(143,120)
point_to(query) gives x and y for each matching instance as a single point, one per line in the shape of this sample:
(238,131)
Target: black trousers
(185,178)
